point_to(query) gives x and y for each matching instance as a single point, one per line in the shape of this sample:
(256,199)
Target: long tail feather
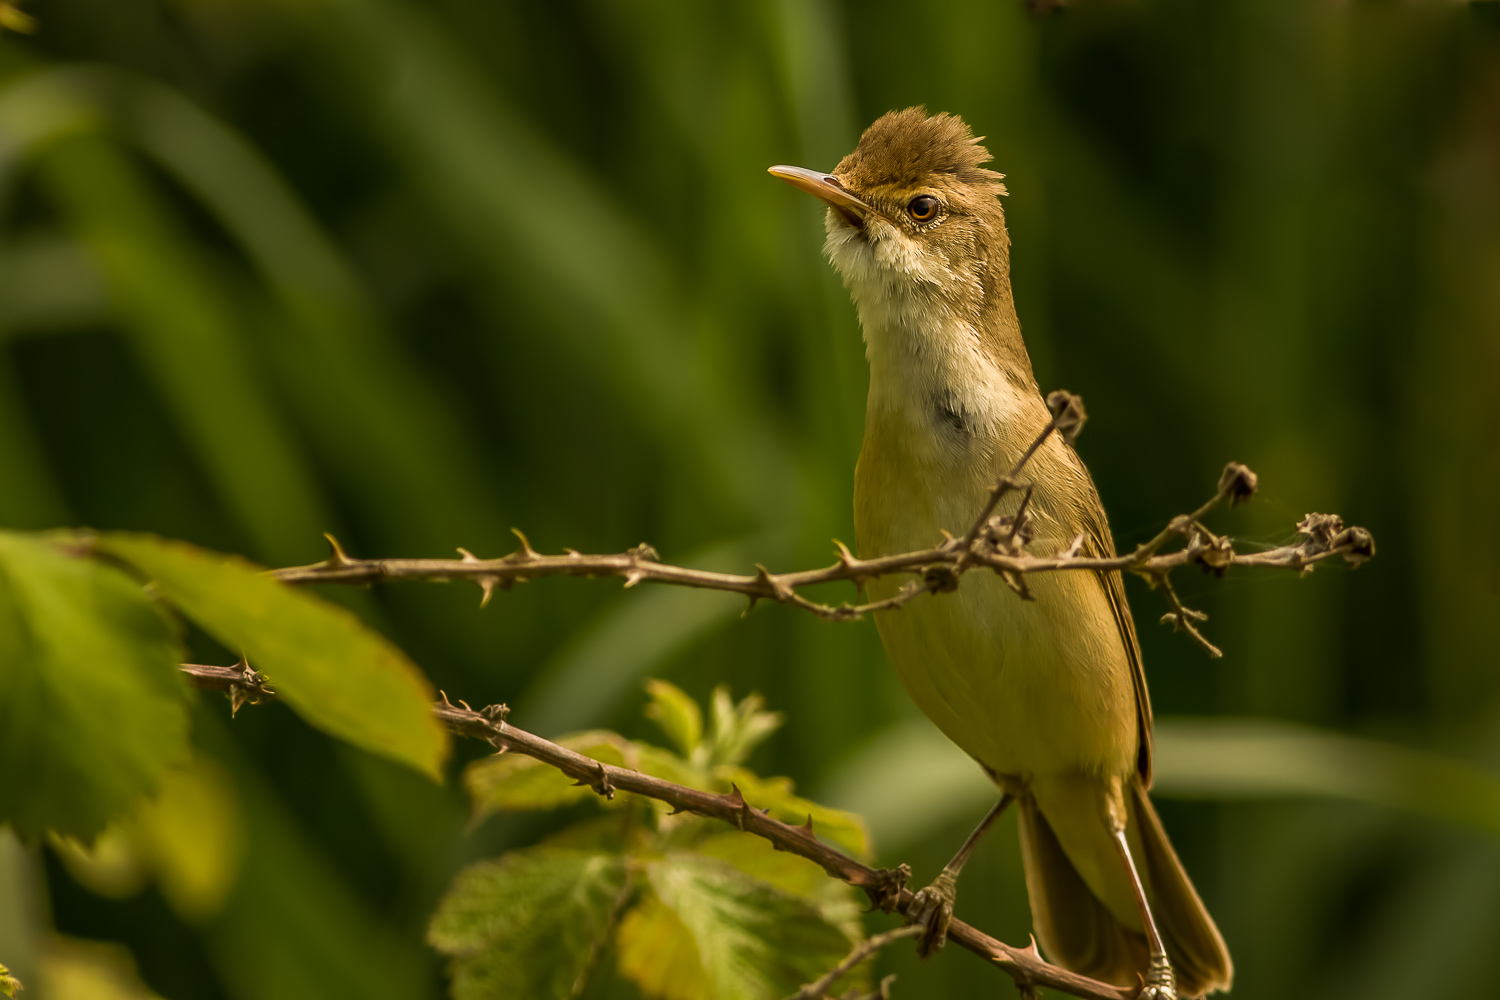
(1075,929)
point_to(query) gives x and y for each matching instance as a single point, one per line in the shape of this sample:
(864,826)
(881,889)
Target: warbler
(1047,695)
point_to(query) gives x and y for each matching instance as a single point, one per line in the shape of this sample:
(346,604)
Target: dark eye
(923,208)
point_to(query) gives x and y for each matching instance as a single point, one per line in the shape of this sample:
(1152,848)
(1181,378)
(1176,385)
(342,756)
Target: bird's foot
(933,909)
(1161,983)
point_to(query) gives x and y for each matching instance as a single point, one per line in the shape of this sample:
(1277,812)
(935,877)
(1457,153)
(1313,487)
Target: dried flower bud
(644,553)
(1216,556)
(1357,543)
(940,578)
(1320,530)
(1068,415)
(1238,483)
(1010,534)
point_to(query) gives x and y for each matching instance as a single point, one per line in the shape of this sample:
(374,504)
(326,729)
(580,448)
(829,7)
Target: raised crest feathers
(904,148)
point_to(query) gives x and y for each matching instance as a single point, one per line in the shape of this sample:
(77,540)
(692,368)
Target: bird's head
(913,222)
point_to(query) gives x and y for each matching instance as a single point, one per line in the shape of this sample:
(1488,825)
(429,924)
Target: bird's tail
(1079,932)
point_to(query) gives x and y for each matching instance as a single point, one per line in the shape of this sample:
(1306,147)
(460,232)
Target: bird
(1048,695)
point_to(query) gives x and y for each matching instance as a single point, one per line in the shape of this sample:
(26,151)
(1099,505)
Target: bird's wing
(1102,544)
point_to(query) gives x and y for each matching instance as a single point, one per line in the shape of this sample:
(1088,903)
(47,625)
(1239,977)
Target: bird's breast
(1025,687)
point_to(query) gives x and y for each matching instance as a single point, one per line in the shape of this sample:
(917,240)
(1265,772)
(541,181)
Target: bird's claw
(933,908)
(1161,983)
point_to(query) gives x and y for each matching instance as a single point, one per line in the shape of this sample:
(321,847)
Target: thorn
(781,591)
(737,800)
(753,599)
(468,556)
(634,577)
(445,697)
(486,584)
(336,557)
(525,553)
(465,705)
(644,553)
(605,787)
(573,553)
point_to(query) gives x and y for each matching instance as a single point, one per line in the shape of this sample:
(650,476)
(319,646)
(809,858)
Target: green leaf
(529,924)
(188,837)
(751,940)
(339,675)
(677,715)
(92,705)
(836,901)
(514,782)
(75,969)
(657,953)
(739,728)
(9,985)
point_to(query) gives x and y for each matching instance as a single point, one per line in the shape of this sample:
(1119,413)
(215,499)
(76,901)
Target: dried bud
(1357,543)
(1320,531)
(1022,528)
(1216,556)
(644,553)
(939,578)
(1068,415)
(1237,483)
(1011,534)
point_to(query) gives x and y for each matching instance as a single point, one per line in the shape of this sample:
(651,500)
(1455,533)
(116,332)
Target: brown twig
(1322,537)
(869,946)
(885,887)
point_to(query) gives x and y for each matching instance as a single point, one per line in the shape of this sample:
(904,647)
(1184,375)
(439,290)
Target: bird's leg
(1160,984)
(933,906)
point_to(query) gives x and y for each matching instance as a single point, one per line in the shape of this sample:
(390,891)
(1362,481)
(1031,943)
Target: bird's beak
(826,188)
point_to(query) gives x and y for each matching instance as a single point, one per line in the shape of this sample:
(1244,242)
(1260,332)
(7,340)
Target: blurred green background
(414,273)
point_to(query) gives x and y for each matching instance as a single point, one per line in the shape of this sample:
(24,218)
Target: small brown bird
(1047,695)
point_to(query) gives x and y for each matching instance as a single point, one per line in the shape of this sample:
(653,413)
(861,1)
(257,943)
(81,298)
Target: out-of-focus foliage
(76,636)
(414,273)
(690,911)
(90,970)
(188,837)
(334,672)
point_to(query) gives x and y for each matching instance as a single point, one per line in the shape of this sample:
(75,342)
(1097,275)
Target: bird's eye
(923,208)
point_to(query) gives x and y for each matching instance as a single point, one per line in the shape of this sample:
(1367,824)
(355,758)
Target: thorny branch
(885,887)
(996,542)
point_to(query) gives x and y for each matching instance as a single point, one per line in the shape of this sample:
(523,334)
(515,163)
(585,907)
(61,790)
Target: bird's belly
(1024,687)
